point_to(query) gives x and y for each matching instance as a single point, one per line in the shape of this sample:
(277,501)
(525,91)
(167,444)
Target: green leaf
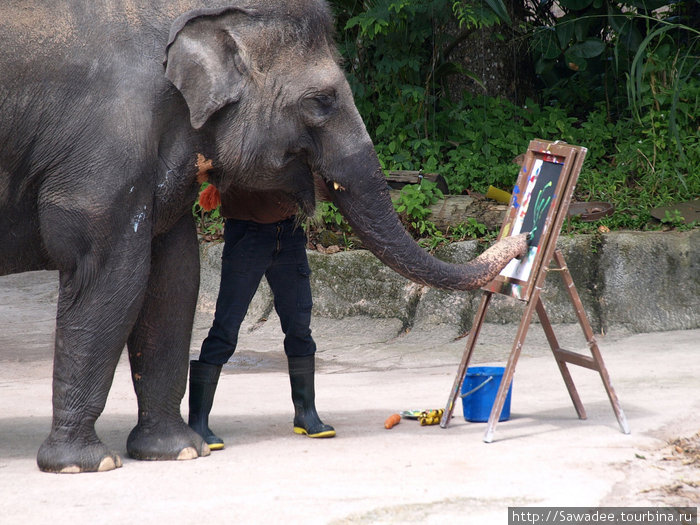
(498,7)
(354,21)
(565,30)
(546,42)
(588,48)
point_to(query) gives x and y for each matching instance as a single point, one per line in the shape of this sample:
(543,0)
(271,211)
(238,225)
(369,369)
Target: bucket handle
(477,388)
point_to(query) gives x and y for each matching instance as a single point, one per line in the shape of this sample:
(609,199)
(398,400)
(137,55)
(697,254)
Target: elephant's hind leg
(159,349)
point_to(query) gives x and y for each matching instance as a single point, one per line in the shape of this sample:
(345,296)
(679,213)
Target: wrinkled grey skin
(104,107)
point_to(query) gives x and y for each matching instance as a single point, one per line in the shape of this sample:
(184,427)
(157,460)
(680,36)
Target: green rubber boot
(301,377)
(203,380)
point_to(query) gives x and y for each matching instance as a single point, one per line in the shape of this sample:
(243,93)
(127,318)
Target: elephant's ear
(206,61)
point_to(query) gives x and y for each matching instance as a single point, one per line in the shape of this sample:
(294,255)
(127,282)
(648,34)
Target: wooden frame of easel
(540,204)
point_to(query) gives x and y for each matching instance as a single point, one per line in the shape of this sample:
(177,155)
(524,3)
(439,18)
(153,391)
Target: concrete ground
(542,456)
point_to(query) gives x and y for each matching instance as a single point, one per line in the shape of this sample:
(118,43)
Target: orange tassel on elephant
(210,198)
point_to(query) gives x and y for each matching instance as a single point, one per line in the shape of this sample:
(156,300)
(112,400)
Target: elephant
(107,110)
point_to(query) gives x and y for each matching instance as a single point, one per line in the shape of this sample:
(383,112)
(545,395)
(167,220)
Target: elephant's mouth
(324,190)
(306,200)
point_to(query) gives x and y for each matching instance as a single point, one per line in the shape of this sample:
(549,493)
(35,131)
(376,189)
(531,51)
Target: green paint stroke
(541,204)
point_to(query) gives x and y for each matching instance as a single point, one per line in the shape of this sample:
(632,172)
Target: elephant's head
(262,80)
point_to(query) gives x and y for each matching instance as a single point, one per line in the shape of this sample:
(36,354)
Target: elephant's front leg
(159,349)
(99,299)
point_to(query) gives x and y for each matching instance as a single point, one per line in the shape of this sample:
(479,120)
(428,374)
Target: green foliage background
(618,77)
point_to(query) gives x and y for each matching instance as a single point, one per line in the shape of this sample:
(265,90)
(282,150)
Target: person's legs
(245,257)
(288,277)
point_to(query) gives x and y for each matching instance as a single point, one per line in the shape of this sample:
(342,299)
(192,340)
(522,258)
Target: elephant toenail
(187,453)
(106,464)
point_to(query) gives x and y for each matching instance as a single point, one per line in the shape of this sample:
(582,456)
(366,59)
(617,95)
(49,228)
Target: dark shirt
(265,207)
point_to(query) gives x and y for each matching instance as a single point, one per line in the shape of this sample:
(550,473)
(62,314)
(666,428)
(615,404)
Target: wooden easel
(558,165)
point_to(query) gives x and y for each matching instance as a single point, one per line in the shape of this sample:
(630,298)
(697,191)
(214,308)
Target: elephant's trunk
(361,193)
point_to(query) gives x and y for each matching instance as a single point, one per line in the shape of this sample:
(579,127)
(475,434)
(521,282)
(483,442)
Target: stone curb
(641,281)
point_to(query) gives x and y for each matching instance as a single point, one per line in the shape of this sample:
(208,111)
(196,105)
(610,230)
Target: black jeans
(251,250)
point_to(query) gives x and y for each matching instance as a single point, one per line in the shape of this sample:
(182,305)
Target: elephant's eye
(317,107)
(324,100)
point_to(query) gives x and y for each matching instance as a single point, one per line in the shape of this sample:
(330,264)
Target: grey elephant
(105,107)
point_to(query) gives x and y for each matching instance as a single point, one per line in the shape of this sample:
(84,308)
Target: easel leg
(554,345)
(510,368)
(592,343)
(466,357)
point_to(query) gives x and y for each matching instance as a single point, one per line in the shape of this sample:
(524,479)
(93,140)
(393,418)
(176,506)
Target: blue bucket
(479,391)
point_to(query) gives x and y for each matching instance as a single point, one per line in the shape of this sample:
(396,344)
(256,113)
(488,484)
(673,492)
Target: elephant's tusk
(337,186)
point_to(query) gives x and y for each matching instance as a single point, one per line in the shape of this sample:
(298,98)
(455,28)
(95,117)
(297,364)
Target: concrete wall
(640,281)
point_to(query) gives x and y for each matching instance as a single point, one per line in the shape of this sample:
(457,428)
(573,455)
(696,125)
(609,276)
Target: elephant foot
(165,441)
(76,456)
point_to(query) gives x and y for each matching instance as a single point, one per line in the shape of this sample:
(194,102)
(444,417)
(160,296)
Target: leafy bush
(585,51)
(621,78)
(414,204)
